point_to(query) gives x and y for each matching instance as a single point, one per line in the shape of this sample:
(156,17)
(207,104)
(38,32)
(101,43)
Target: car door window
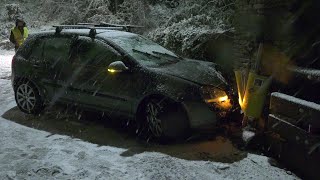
(90,59)
(56,56)
(105,55)
(95,53)
(57,49)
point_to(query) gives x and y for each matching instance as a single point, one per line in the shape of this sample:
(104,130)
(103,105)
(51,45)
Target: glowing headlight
(216,97)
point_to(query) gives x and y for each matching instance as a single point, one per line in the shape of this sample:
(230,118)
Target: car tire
(28,98)
(163,120)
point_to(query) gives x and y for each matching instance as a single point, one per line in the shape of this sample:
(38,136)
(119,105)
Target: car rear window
(37,51)
(27,47)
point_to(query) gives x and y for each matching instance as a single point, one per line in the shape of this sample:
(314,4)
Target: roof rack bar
(73,26)
(119,25)
(104,24)
(109,25)
(109,28)
(87,24)
(93,29)
(126,27)
(86,27)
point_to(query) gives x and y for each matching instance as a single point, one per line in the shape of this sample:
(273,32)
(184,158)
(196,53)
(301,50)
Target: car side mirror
(117,67)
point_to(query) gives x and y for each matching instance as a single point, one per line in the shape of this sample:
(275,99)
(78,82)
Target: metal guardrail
(294,128)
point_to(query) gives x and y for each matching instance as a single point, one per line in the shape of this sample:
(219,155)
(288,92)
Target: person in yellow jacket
(19,33)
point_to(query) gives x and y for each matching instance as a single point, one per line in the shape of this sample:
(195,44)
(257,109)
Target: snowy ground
(27,153)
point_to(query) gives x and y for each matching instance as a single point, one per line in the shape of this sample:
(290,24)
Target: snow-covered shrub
(13,10)
(183,27)
(134,12)
(8,14)
(75,11)
(192,23)
(168,3)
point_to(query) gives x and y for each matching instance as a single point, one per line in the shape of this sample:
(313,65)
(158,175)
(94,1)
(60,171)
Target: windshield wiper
(166,54)
(145,53)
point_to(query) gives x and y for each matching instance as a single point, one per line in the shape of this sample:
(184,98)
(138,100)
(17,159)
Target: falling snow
(27,153)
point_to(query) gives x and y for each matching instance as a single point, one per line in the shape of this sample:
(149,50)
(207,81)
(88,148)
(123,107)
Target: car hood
(199,72)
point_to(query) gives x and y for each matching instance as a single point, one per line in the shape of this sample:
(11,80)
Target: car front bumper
(201,116)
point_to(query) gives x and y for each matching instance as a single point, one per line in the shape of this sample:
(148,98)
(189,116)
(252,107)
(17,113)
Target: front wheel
(164,119)
(28,98)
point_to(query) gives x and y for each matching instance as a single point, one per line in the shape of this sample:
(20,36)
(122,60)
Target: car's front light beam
(216,97)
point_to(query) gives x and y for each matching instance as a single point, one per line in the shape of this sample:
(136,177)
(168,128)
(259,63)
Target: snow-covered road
(27,153)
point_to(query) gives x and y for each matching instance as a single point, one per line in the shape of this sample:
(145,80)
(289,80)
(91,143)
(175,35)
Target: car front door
(95,86)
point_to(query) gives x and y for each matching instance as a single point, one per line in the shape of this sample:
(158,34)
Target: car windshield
(146,52)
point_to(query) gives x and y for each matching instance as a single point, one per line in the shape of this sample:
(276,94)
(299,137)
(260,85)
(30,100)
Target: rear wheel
(28,98)
(162,119)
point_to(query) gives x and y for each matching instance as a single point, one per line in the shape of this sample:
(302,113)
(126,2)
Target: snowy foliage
(75,11)
(133,11)
(192,23)
(13,10)
(182,26)
(8,12)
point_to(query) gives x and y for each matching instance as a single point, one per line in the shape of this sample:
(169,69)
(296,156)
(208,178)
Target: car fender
(155,94)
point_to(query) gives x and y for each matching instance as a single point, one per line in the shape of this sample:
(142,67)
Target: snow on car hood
(199,72)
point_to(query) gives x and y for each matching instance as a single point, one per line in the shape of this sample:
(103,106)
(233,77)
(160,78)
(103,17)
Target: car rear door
(56,54)
(35,58)
(95,86)
(40,72)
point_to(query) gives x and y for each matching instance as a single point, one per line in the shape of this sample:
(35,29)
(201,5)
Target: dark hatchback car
(122,74)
